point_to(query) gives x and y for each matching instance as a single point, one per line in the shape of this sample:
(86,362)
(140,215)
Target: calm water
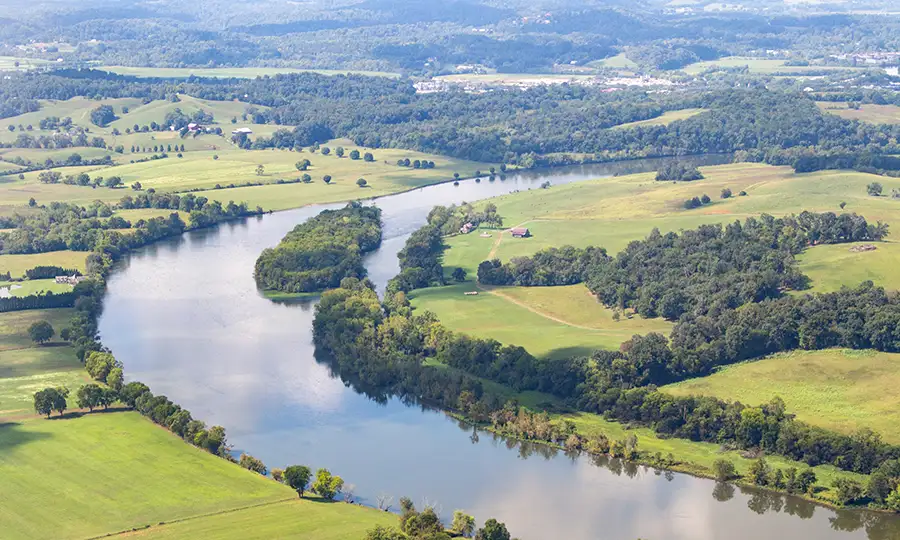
(185,317)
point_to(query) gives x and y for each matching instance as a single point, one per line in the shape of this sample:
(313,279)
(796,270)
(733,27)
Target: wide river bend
(184,316)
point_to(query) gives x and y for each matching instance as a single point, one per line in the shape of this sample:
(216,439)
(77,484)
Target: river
(184,316)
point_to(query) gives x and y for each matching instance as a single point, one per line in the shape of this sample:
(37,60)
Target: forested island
(319,253)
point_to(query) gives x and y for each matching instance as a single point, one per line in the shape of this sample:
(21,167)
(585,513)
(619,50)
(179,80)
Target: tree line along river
(185,317)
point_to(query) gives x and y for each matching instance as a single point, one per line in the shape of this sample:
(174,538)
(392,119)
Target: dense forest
(319,253)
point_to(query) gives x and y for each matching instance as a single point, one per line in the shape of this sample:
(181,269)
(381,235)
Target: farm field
(26,368)
(21,63)
(16,265)
(80,463)
(32,286)
(831,267)
(544,320)
(761,66)
(619,61)
(867,112)
(837,389)
(610,212)
(663,120)
(298,518)
(229,72)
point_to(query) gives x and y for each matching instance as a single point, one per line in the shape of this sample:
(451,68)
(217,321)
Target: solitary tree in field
(327,485)
(306,178)
(298,477)
(327,178)
(874,189)
(302,165)
(326,150)
(354,154)
(368,157)
(340,151)
(260,169)
(31,202)
(459,274)
(136,186)
(40,332)
(362,182)
(456,176)
(842,205)
(726,193)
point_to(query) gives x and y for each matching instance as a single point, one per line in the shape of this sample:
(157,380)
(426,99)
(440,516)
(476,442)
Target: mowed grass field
(300,519)
(834,266)
(867,112)
(556,322)
(837,389)
(16,265)
(663,120)
(232,72)
(33,286)
(26,368)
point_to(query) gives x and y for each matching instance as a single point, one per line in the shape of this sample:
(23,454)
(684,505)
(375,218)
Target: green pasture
(34,286)
(78,477)
(16,265)
(840,390)
(21,63)
(310,519)
(867,112)
(232,72)
(610,212)
(541,319)
(832,266)
(762,66)
(619,61)
(665,119)
(26,368)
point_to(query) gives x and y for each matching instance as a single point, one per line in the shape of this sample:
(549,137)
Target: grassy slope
(869,112)
(663,120)
(831,267)
(105,472)
(582,324)
(307,519)
(18,264)
(26,368)
(842,390)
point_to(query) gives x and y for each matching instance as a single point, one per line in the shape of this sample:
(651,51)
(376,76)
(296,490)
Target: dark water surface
(185,317)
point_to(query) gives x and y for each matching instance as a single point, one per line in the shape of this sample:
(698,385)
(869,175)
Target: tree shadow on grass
(12,435)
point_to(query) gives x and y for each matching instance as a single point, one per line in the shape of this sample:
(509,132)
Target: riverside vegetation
(398,352)
(319,253)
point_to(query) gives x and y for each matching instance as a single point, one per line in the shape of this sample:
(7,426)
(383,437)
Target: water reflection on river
(184,317)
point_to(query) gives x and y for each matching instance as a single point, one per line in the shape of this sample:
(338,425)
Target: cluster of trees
(81,179)
(416,163)
(555,266)
(427,525)
(47,272)
(103,115)
(319,253)
(45,300)
(678,171)
(60,226)
(696,202)
(58,140)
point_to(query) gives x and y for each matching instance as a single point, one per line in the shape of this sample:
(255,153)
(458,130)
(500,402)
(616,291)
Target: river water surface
(184,316)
